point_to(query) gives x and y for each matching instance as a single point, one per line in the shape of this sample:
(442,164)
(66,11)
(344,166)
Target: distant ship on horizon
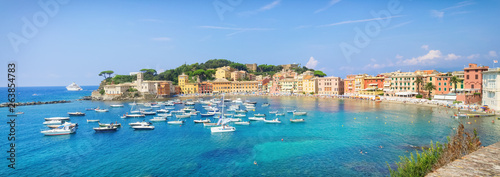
(73,87)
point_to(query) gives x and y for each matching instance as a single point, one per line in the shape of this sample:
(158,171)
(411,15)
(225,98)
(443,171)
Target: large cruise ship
(73,87)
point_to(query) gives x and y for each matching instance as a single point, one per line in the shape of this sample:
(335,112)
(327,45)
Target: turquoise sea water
(327,144)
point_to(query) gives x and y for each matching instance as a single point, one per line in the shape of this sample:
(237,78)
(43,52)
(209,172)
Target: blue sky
(73,41)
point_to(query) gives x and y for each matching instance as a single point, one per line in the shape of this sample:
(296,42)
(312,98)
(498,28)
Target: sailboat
(132,109)
(223,121)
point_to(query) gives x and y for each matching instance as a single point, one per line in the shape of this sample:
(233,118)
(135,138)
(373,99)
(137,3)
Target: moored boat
(101,110)
(265,104)
(62,130)
(257,118)
(240,115)
(259,115)
(134,115)
(52,122)
(116,105)
(202,121)
(73,87)
(297,120)
(158,119)
(143,127)
(139,123)
(183,116)
(57,118)
(299,113)
(111,124)
(175,122)
(76,113)
(97,120)
(274,121)
(242,123)
(209,124)
(105,129)
(207,114)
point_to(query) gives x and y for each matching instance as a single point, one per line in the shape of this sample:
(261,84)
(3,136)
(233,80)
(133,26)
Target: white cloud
(473,56)
(373,60)
(425,59)
(374,66)
(161,39)
(270,6)
(426,47)
(330,4)
(492,53)
(312,63)
(452,56)
(437,14)
(358,21)
(261,9)
(399,56)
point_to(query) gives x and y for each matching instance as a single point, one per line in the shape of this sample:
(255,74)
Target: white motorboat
(155,106)
(52,122)
(292,111)
(162,111)
(189,103)
(273,112)
(209,124)
(175,122)
(235,119)
(76,113)
(207,114)
(64,124)
(73,87)
(145,109)
(299,113)
(202,121)
(241,111)
(169,108)
(62,130)
(139,123)
(105,129)
(222,129)
(143,127)
(116,105)
(132,104)
(148,113)
(250,107)
(238,100)
(274,121)
(240,115)
(57,118)
(101,110)
(165,115)
(183,116)
(111,124)
(97,120)
(265,104)
(280,114)
(242,123)
(158,119)
(297,120)
(134,115)
(259,115)
(257,118)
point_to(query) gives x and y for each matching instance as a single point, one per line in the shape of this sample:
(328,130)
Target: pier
(483,162)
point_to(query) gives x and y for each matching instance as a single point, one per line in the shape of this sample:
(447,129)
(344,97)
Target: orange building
(349,85)
(205,87)
(163,88)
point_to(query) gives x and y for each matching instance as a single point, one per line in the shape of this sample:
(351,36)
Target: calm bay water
(327,144)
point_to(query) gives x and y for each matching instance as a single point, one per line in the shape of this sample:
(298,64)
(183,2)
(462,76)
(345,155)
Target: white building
(491,88)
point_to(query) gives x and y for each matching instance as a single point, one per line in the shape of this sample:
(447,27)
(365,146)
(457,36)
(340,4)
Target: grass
(438,155)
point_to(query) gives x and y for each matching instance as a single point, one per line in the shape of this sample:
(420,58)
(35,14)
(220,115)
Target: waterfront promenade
(483,162)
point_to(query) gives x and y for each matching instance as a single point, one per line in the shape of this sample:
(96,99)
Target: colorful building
(330,85)
(473,79)
(224,72)
(349,83)
(491,88)
(244,86)
(275,87)
(310,85)
(221,86)
(373,86)
(205,88)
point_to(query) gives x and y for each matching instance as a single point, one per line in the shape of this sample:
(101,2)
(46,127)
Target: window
(439,89)
(472,86)
(467,76)
(445,84)
(476,76)
(444,89)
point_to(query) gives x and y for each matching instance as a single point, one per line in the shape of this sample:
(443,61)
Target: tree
(419,82)
(429,87)
(319,73)
(455,80)
(200,73)
(149,74)
(238,66)
(102,91)
(108,72)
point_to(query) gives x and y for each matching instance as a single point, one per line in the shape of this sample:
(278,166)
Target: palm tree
(418,81)
(429,87)
(454,80)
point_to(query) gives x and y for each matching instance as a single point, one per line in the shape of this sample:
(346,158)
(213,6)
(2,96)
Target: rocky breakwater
(34,103)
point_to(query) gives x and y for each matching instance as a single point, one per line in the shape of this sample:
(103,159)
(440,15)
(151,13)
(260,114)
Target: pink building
(473,81)
(275,87)
(330,86)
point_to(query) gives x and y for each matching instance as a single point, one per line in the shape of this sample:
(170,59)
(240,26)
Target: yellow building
(190,88)
(309,84)
(221,86)
(182,80)
(224,72)
(244,86)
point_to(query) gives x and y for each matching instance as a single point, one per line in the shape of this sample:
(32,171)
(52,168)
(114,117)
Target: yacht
(52,122)
(265,104)
(297,120)
(111,124)
(202,121)
(165,115)
(240,115)
(106,129)
(134,115)
(62,130)
(183,116)
(256,118)
(97,120)
(280,114)
(64,124)
(143,127)
(175,122)
(259,115)
(209,124)
(274,121)
(101,110)
(76,113)
(116,105)
(242,123)
(273,112)
(73,87)
(162,111)
(139,123)
(222,122)
(57,118)
(209,114)
(158,119)
(299,113)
